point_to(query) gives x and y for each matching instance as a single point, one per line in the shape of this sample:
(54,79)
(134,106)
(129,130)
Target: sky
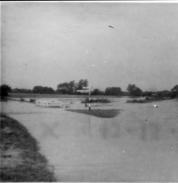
(110,44)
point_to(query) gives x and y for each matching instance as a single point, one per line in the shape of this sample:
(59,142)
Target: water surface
(140,144)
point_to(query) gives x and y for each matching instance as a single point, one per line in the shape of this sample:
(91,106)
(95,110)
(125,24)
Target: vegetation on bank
(75,88)
(95,100)
(156,96)
(147,100)
(20,158)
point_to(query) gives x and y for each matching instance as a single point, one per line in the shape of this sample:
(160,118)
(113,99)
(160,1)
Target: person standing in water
(89,106)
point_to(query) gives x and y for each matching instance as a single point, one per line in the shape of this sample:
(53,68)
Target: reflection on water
(137,145)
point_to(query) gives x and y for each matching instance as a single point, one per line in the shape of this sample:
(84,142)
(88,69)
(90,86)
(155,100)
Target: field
(102,113)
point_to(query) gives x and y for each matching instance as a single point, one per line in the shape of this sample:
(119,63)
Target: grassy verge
(19,154)
(147,100)
(96,100)
(102,113)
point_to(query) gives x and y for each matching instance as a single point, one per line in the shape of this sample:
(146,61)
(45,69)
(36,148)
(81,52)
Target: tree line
(73,87)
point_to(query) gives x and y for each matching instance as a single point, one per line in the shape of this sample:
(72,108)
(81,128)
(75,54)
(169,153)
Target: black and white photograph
(89,91)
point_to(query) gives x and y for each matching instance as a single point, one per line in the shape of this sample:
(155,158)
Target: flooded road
(140,144)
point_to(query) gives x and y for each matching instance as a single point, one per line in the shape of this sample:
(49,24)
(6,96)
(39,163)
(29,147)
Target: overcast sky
(49,43)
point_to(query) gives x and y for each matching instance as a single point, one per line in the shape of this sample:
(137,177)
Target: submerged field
(137,144)
(102,113)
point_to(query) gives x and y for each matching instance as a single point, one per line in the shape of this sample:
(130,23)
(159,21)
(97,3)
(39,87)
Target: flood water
(140,144)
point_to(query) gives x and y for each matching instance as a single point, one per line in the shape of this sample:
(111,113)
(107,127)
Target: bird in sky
(110,26)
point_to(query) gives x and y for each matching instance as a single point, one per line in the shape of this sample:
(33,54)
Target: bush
(4,91)
(96,100)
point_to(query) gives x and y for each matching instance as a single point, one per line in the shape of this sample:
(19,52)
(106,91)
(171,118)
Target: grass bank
(20,158)
(102,113)
(148,100)
(96,100)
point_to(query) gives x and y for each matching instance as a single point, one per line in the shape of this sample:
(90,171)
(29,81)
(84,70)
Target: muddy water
(140,144)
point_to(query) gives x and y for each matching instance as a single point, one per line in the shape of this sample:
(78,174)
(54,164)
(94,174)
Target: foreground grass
(102,113)
(19,154)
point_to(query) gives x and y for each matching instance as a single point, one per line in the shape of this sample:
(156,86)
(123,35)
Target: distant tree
(174,91)
(147,93)
(134,90)
(96,91)
(72,86)
(163,93)
(113,91)
(21,90)
(43,89)
(67,87)
(4,91)
(82,83)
